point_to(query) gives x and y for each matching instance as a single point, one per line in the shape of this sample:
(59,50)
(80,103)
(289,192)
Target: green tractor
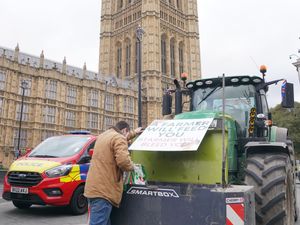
(240,150)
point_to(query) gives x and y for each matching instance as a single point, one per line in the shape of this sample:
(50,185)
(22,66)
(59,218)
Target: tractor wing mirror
(287,93)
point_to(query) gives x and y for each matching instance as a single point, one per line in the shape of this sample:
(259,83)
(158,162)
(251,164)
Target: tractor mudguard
(178,204)
(260,147)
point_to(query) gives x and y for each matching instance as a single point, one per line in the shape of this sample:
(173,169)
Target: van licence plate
(19,190)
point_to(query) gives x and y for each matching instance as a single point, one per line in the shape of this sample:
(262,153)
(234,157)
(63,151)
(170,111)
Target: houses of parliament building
(57,97)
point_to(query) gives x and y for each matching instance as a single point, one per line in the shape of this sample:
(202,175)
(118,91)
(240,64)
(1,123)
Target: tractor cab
(240,98)
(245,100)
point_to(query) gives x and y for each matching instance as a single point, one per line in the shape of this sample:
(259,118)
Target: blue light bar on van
(79,132)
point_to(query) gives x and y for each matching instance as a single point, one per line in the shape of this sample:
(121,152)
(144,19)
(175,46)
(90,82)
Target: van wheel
(78,204)
(21,205)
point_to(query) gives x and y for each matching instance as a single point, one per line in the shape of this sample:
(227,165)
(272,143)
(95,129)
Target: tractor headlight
(59,171)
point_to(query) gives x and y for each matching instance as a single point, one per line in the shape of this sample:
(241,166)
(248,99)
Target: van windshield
(60,146)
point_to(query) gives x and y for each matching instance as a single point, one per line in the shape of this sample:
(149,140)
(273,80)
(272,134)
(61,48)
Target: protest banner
(172,135)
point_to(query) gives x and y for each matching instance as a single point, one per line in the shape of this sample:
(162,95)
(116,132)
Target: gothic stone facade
(59,98)
(170,45)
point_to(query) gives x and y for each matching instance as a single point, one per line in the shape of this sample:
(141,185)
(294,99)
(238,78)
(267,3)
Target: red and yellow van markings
(35,165)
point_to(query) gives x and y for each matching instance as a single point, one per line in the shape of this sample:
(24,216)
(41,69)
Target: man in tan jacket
(104,183)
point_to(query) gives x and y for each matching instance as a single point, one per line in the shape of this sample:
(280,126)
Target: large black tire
(272,178)
(78,204)
(21,205)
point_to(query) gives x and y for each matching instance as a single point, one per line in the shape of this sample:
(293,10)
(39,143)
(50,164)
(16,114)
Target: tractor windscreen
(238,101)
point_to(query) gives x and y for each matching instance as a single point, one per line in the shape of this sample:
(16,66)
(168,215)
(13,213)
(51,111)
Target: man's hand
(139,130)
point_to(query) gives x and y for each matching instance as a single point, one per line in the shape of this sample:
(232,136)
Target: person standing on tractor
(104,183)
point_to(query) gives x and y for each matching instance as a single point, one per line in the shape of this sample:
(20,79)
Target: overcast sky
(236,36)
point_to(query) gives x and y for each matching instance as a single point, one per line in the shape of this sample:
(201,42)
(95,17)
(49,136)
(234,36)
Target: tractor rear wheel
(271,176)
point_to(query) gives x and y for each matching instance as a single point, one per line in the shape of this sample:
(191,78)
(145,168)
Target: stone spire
(64,67)
(17,52)
(84,74)
(42,59)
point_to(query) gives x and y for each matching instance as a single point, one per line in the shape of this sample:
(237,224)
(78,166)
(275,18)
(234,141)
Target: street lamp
(139,36)
(104,106)
(296,64)
(24,86)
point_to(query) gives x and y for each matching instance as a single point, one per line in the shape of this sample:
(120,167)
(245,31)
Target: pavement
(2,174)
(48,215)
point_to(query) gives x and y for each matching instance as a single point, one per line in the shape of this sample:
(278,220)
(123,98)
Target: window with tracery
(119,60)
(178,4)
(49,114)
(27,90)
(109,104)
(136,56)
(2,80)
(1,106)
(120,4)
(51,89)
(70,117)
(25,112)
(180,52)
(163,55)
(71,95)
(22,140)
(128,58)
(92,121)
(172,57)
(93,98)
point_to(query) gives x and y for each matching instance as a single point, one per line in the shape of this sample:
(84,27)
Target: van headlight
(59,171)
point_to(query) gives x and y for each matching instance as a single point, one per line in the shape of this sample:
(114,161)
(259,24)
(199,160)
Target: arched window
(120,4)
(128,58)
(119,59)
(172,57)
(163,54)
(180,54)
(178,4)
(136,56)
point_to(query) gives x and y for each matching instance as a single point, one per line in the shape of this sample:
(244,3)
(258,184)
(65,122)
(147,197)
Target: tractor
(242,159)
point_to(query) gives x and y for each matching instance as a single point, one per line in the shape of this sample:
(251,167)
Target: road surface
(47,215)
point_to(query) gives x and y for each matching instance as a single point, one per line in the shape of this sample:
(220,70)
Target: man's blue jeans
(100,210)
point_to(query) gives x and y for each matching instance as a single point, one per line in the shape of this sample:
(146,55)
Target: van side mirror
(28,150)
(91,152)
(287,93)
(167,104)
